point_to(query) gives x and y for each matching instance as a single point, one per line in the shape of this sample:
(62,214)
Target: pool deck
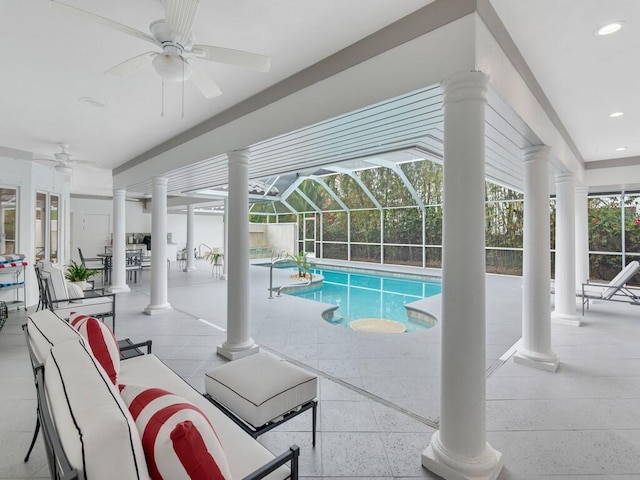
(379,393)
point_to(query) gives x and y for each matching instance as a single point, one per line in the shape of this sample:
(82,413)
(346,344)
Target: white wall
(136,220)
(209,229)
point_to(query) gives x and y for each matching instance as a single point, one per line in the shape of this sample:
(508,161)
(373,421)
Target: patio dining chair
(94,264)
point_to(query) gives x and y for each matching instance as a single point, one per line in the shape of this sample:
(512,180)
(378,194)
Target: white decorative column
(225,239)
(159,298)
(239,344)
(582,235)
(459,450)
(535,349)
(565,286)
(3,235)
(118,249)
(191,261)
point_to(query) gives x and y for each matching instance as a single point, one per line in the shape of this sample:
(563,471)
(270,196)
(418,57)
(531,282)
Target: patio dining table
(133,262)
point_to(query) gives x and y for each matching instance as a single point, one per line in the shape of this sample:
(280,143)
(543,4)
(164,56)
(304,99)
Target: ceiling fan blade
(39,156)
(91,17)
(132,65)
(88,163)
(179,16)
(230,56)
(204,82)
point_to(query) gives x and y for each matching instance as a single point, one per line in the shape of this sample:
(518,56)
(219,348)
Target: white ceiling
(57,59)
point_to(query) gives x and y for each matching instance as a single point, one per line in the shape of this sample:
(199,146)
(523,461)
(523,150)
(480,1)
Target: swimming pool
(371,295)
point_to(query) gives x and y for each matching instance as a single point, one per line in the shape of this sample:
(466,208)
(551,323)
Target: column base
(527,358)
(223,277)
(233,353)
(570,319)
(189,269)
(156,309)
(118,288)
(440,461)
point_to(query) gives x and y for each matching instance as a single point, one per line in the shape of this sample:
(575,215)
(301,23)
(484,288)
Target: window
(47,242)
(8,220)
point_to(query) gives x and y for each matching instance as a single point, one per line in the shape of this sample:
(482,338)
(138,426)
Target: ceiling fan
(64,162)
(175,62)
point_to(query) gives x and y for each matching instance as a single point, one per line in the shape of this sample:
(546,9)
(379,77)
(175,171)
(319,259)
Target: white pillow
(179,441)
(101,341)
(75,291)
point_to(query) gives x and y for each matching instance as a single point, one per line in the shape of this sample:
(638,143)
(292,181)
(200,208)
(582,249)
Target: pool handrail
(278,259)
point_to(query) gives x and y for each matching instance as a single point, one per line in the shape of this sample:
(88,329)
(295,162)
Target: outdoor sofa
(88,430)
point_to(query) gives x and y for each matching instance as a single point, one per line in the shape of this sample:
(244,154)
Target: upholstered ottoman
(260,392)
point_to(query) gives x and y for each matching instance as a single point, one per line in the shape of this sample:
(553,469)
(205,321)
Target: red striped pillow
(178,440)
(102,343)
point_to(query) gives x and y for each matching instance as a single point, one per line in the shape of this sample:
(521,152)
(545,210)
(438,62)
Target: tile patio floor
(379,392)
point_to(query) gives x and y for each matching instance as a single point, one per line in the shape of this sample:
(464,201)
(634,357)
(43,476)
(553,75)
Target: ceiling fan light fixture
(64,169)
(171,67)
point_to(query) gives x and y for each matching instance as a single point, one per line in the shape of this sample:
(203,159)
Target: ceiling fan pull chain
(162,100)
(183,89)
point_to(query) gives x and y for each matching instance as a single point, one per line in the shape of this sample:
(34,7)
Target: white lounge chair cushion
(86,306)
(57,282)
(244,454)
(46,329)
(101,341)
(96,430)
(178,440)
(260,388)
(619,280)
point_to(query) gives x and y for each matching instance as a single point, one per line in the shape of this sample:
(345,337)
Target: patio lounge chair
(59,300)
(616,290)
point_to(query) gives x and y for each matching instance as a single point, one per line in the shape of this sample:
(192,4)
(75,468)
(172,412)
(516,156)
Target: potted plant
(215,258)
(79,274)
(303,264)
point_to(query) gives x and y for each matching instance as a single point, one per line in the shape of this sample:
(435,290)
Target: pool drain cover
(378,325)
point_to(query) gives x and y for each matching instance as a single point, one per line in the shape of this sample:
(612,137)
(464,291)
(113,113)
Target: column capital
(582,190)
(565,177)
(536,152)
(465,86)
(239,156)
(119,192)
(161,181)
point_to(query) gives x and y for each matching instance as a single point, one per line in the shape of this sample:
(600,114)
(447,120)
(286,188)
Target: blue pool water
(366,294)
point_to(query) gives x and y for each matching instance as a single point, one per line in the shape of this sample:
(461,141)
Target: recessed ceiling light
(616,114)
(609,28)
(621,149)
(94,102)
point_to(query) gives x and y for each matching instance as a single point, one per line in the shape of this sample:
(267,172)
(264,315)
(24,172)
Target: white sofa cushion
(178,440)
(101,341)
(244,454)
(260,388)
(45,329)
(96,430)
